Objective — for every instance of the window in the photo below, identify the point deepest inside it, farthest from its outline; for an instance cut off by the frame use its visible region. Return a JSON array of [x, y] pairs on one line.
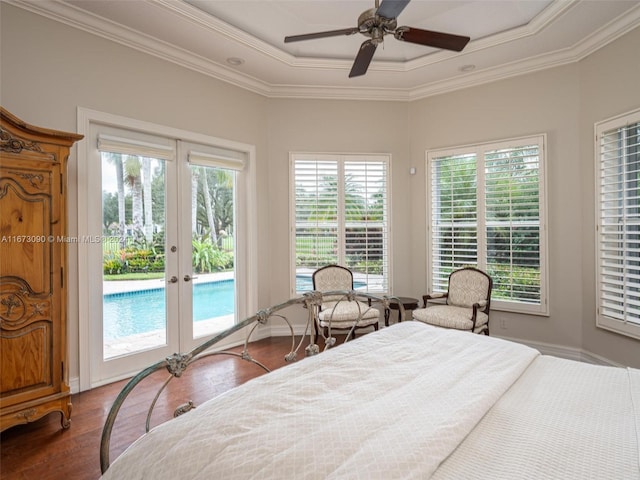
[[341, 216], [618, 224], [486, 208]]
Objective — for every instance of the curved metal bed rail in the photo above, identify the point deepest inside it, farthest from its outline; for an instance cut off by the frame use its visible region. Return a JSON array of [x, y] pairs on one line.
[[177, 363]]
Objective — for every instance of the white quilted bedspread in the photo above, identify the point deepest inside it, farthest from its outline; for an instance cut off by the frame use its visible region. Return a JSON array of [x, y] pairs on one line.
[[562, 420], [390, 405]]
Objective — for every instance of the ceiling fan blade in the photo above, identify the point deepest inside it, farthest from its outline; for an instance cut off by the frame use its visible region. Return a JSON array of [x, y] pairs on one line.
[[429, 38], [363, 59], [330, 33], [391, 8]]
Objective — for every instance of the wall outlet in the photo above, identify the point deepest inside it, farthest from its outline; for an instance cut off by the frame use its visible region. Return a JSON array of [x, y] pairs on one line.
[[503, 324]]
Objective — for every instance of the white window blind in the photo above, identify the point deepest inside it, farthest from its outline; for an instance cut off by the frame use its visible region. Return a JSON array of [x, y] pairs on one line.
[[316, 213], [454, 219], [217, 157], [340, 216], [136, 144], [618, 159], [487, 210], [512, 215], [365, 213]]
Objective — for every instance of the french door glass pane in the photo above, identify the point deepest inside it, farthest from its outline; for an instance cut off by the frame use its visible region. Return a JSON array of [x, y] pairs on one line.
[[133, 226], [213, 248]]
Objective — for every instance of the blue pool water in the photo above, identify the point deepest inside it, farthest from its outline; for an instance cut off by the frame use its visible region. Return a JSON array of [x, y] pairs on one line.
[[143, 311]]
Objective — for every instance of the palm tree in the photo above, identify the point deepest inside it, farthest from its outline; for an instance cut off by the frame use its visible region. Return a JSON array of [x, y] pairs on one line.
[[215, 206], [208, 206], [132, 176], [116, 159], [195, 175], [148, 207]]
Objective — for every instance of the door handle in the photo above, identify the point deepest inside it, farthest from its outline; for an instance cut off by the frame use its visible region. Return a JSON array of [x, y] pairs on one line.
[[173, 279], [188, 278]]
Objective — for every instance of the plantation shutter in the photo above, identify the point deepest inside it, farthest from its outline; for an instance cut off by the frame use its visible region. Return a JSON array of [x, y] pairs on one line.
[[486, 208], [366, 226], [512, 217], [454, 219], [316, 213], [619, 224], [341, 217]]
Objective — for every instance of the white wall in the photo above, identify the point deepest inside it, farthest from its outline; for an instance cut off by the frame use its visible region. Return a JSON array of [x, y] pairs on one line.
[[609, 86], [543, 102], [49, 69], [341, 127]]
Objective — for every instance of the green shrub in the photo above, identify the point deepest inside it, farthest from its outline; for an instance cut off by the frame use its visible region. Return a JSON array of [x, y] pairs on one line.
[[207, 257], [140, 257], [112, 266]]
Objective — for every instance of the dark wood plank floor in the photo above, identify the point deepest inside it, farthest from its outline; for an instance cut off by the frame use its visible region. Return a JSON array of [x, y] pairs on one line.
[[43, 451]]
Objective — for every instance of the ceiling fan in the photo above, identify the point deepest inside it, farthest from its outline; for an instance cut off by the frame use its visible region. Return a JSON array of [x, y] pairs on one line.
[[380, 21]]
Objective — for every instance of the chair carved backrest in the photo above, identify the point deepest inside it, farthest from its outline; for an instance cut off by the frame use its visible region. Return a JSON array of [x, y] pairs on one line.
[[332, 278], [468, 286]]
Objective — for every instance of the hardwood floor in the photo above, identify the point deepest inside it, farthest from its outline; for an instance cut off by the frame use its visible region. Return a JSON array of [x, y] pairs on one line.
[[42, 450]]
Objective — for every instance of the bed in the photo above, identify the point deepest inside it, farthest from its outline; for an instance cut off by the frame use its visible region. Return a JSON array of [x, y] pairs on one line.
[[409, 401]]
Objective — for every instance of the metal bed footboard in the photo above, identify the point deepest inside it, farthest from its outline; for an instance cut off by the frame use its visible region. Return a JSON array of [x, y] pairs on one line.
[[177, 363]]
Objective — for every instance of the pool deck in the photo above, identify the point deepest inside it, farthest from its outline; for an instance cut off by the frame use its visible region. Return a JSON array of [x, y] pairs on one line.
[[125, 286]]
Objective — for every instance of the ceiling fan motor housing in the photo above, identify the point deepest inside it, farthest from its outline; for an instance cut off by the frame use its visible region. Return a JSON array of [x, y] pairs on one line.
[[375, 26]]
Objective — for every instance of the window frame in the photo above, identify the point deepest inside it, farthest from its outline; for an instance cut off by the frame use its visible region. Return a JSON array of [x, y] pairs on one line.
[[341, 159], [480, 150], [623, 327]]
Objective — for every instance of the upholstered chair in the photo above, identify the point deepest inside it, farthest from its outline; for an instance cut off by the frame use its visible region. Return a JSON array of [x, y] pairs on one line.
[[339, 312], [467, 302]]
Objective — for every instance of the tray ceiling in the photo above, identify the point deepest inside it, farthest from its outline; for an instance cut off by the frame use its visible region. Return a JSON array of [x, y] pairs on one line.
[[241, 41]]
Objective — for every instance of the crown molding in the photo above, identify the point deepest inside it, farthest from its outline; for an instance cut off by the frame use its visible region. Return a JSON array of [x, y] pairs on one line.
[[77, 18], [198, 17], [605, 35]]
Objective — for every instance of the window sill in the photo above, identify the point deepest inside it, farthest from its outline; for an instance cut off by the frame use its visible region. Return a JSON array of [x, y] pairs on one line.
[[619, 327]]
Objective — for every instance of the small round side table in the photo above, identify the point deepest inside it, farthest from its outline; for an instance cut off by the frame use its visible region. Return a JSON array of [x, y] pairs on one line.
[[408, 303]]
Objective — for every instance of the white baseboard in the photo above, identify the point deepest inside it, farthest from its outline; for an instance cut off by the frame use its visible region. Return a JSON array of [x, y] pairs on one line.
[[570, 353]]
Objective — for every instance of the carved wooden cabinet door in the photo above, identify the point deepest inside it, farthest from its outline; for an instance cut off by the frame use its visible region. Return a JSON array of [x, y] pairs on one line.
[[33, 346]]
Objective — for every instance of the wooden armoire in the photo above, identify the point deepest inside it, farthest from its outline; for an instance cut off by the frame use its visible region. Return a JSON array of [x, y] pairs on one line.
[[33, 268]]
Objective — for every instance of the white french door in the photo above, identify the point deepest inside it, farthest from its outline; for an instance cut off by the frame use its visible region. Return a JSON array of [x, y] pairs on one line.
[[164, 275]]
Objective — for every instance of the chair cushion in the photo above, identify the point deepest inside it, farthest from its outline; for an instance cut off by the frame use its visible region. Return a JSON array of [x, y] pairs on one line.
[[449, 316], [343, 314]]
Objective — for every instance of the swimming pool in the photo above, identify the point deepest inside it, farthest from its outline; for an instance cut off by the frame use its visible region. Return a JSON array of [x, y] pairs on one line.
[[143, 311]]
